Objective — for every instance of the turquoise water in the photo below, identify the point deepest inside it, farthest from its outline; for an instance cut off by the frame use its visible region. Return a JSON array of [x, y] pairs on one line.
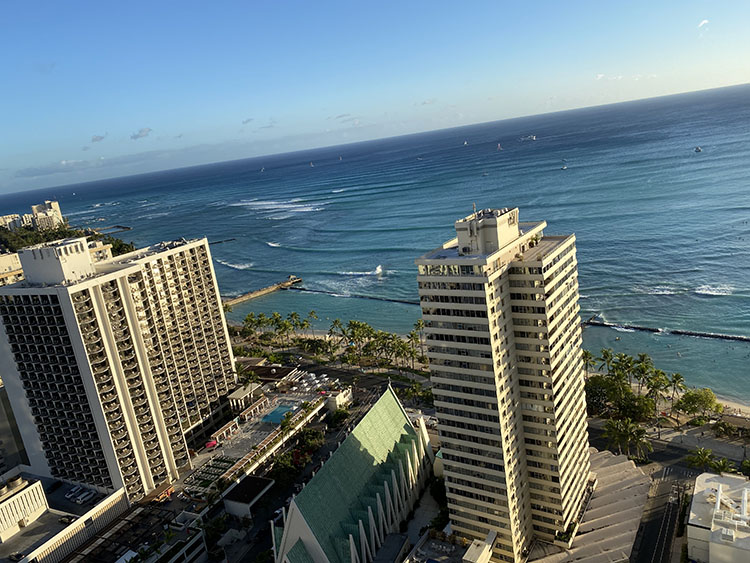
[[662, 231], [277, 414]]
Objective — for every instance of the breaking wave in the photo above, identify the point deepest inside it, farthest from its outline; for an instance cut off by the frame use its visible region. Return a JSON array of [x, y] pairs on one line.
[[714, 289], [243, 266]]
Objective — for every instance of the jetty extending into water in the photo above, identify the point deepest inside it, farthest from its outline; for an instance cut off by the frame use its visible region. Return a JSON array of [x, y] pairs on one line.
[[264, 291], [594, 321]]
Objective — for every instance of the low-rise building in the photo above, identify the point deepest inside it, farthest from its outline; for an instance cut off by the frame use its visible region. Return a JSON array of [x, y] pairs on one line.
[[244, 396], [21, 503], [719, 527], [240, 500], [361, 494], [10, 268]]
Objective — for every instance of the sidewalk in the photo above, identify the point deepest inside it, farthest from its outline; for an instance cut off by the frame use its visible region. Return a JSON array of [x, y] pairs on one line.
[[702, 437]]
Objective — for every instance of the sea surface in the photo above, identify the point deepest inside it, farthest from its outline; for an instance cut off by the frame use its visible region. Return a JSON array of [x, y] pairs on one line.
[[663, 232]]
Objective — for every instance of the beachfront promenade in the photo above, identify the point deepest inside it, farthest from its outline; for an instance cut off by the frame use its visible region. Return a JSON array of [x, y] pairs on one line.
[[690, 439]]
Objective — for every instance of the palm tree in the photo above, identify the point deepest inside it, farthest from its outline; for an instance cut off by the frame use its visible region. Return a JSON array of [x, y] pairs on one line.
[[658, 385], [723, 465], [606, 358], [419, 327], [700, 458], [414, 339], [337, 331], [678, 384], [625, 364], [642, 370], [588, 361], [639, 441], [614, 432], [312, 316]]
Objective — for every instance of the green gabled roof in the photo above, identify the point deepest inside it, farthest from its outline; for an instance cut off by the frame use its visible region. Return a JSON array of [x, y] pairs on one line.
[[298, 554], [345, 484], [278, 533]]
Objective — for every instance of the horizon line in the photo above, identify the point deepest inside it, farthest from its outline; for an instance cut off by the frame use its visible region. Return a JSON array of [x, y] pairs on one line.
[[377, 139]]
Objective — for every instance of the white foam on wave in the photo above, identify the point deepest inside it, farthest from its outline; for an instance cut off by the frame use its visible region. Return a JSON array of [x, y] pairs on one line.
[[156, 215], [271, 209], [623, 329], [721, 289], [243, 266], [338, 191], [376, 272], [659, 290], [273, 244]]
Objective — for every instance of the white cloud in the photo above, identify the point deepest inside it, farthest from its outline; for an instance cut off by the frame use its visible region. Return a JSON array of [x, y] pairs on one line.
[[703, 22], [143, 132], [599, 76]]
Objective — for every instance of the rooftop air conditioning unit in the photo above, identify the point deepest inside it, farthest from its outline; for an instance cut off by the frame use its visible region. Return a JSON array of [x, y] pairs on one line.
[[727, 534]]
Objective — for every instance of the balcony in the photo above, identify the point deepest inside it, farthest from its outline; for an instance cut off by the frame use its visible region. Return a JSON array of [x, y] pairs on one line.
[[113, 417], [140, 402], [129, 472], [105, 380]]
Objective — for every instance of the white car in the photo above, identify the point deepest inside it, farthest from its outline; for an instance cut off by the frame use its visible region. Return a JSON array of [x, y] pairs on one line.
[[71, 494]]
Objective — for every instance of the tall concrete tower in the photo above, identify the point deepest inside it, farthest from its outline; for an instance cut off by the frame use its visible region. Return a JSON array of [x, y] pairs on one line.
[[500, 307], [112, 367]]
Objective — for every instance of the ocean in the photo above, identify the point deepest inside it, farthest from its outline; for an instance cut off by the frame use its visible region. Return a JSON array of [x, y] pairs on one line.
[[662, 231]]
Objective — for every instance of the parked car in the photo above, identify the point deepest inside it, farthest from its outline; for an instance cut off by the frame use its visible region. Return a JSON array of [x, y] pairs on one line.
[[85, 497], [72, 493], [67, 519]]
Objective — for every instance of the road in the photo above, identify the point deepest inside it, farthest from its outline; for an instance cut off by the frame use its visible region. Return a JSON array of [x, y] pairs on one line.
[[670, 474]]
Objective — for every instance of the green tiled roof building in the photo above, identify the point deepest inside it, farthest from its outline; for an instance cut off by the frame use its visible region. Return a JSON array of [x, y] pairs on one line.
[[361, 494]]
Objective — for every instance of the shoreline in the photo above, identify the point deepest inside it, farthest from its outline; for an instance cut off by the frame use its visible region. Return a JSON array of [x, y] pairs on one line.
[[731, 405]]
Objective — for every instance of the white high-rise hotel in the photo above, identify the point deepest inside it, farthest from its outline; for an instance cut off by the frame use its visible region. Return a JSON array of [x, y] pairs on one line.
[[112, 366], [500, 306]]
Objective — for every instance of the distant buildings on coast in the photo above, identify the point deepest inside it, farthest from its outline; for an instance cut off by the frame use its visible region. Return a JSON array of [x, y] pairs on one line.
[[43, 216]]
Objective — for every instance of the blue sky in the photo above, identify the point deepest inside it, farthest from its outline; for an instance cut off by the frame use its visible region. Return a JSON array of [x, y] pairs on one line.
[[94, 90]]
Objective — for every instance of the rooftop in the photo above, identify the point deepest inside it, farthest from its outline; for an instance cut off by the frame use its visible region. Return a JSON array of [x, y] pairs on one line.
[[244, 391], [610, 523], [720, 504], [345, 487], [449, 250], [32, 536], [249, 489]]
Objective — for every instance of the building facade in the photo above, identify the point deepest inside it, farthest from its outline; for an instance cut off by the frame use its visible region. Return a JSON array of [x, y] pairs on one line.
[[500, 307], [43, 216], [112, 366], [362, 494]]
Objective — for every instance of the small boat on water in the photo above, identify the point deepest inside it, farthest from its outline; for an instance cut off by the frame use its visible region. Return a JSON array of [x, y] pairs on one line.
[[564, 167], [499, 147], [698, 149], [528, 138], [466, 143]]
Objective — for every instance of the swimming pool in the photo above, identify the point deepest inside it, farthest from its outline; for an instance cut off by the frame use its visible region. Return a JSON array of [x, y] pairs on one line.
[[277, 414]]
